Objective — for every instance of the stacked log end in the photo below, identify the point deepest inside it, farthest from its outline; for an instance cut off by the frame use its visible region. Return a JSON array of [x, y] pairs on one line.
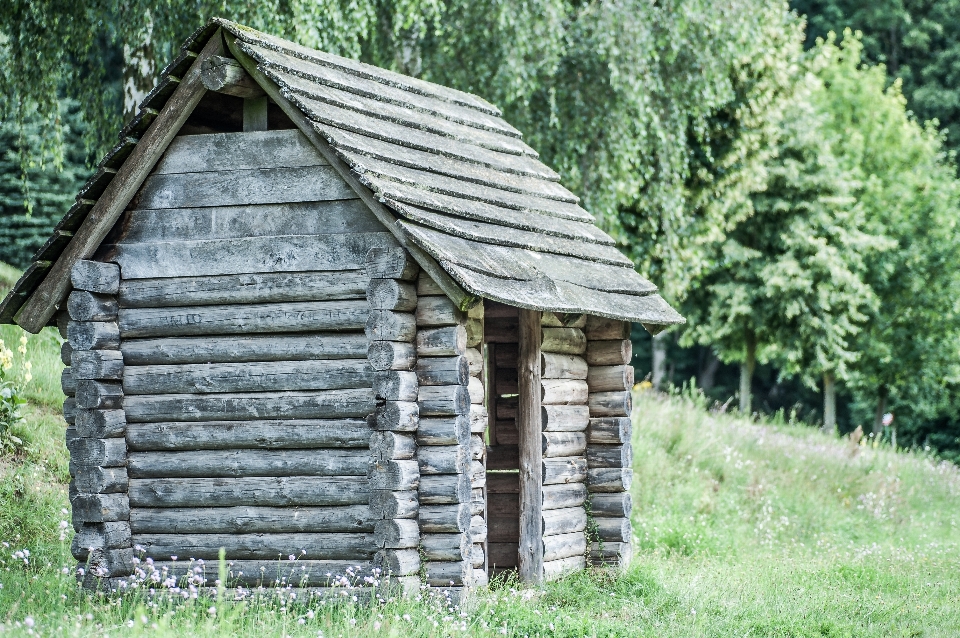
[[609, 453], [394, 471], [98, 449], [452, 474]]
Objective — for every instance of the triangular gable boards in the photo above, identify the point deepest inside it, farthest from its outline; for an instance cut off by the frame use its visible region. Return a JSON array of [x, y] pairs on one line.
[[317, 308]]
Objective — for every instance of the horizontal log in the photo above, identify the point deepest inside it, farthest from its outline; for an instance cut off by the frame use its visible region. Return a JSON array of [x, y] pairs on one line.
[[249, 491], [442, 519], [563, 392], [615, 505], [68, 382], [478, 419], [507, 433], [564, 341], [612, 554], [478, 475], [387, 446], [277, 434], [449, 430], [90, 306], [564, 521], [445, 547], [392, 355], [390, 294], [444, 400], [609, 479], [476, 391], [505, 356], [602, 329], [239, 348], [506, 381], [395, 385], [562, 366], [477, 448], [93, 335], [101, 480], [503, 457], [387, 325], [599, 456], [250, 149], [100, 424], [66, 353], [99, 508], [564, 496], [503, 554], [277, 287], [397, 562], [392, 263], [565, 418], [99, 452], [226, 75], [386, 504], [610, 404], [444, 488], [443, 459], [115, 535], [278, 546], [503, 529], [615, 530], [97, 364], [610, 378], [447, 574], [399, 533], [427, 286], [554, 569], [609, 353], [319, 404], [476, 560], [448, 341], [503, 505], [397, 416], [433, 312], [609, 430], [501, 330], [94, 276], [564, 546], [70, 410], [301, 316], [570, 469], [474, 361], [240, 463], [474, 329], [251, 520], [271, 573], [393, 475], [556, 444], [443, 370], [563, 320], [105, 563]]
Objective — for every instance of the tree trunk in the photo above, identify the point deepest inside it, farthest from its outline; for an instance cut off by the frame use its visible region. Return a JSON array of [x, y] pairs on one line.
[[881, 408], [708, 373], [139, 69], [659, 360], [829, 403], [746, 372]]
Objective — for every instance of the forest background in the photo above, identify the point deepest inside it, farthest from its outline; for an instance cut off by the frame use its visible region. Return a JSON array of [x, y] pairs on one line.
[[785, 173]]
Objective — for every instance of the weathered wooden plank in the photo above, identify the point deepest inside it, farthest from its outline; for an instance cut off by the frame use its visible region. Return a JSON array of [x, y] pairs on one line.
[[474, 361], [395, 385], [444, 400], [388, 446], [610, 378], [609, 430], [321, 404], [615, 505], [564, 341], [477, 448], [503, 457], [98, 394], [565, 418], [530, 452], [433, 312], [243, 288], [93, 335], [563, 392], [393, 475], [99, 452], [442, 519], [444, 488], [387, 325], [603, 329], [101, 480], [286, 253], [70, 410], [240, 348], [392, 263], [100, 424], [218, 435], [391, 294], [251, 520], [615, 530], [556, 444], [92, 536], [478, 419], [270, 574], [99, 508], [562, 366], [445, 547], [97, 364], [391, 355], [89, 306], [609, 353], [563, 320], [249, 491], [617, 554], [443, 459], [503, 482], [564, 546], [399, 533], [427, 287], [68, 382], [604, 404], [303, 316], [476, 391], [570, 469], [610, 455], [448, 574], [609, 479], [397, 416], [386, 504], [443, 370], [399, 562], [559, 568], [94, 276], [66, 352], [564, 521], [452, 430], [240, 463], [225, 75], [320, 546], [564, 496]]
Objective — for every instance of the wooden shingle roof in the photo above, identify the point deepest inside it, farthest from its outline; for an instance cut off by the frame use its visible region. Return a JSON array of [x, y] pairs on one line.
[[457, 181]]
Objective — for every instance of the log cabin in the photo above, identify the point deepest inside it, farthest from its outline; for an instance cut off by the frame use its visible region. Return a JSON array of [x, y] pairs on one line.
[[320, 311]]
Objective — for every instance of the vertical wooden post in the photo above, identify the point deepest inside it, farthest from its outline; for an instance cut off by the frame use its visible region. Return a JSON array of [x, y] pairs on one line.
[[531, 450], [255, 114]]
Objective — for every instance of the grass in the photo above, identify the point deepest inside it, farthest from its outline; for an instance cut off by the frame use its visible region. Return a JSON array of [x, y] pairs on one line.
[[741, 528]]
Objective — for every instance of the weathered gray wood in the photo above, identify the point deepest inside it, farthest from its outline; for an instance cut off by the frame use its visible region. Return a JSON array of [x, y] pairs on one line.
[[248, 491], [478, 475], [615, 505], [99, 452], [239, 463], [97, 364], [90, 306], [286, 253], [478, 419], [564, 341], [237, 151], [386, 504], [393, 475], [319, 404], [530, 452], [105, 563], [610, 455], [395, 385], [320, 546], [564, 496], [114, 535], [66, 352], [240, 348], [386, 446], [563, 392], [603, 329], [609, 479], [258, 577], [564, 546], [615, 530], [387, 325], [477, 559], [400, 533], [604, 404], [264, 376], [442, 519], [68, 382], [100, 508], [243, 288], [428, 287], [439, 489], [569, 469], [433, 312], [451, 430], [504, 505], [398, 562], [391, 355], [397, 416], [41, 305], [93, 335], [610, 378], [504, 482], [101, 480], [609, 353], [477, 448], [70, 410], [443, 459], [100, 424], [225, 75], [445, 547], [565, 418], [558, 568], [444, 400], [390, 294], [556, 444], [507, 433], [474, 329], [392, 263], [618, 554], [503, 457], [442, 342], [448, 574], [95, 276], [507, 408], [255, 112], [474, 361], [563, 320], [476, 391], [609, 430], [443, 370], [478, 529], [251, 520], [98, 394], [562, 366]]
